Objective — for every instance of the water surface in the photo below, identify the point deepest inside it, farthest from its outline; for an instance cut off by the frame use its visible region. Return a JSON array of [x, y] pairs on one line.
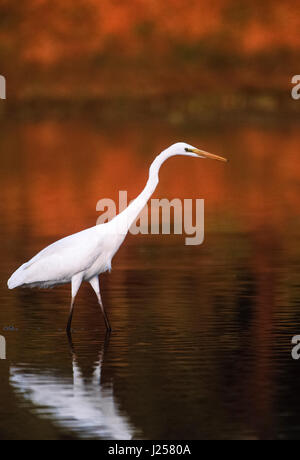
[[201, 347]]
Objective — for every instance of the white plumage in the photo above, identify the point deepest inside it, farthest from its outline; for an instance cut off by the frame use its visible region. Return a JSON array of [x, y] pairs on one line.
[[84, 255], [59, 262]]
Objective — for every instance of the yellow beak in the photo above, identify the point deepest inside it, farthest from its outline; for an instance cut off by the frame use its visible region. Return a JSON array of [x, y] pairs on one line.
[[204, 154]]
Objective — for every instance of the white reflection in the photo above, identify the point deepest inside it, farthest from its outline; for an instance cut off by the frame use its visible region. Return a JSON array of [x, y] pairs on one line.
[[85, 407]]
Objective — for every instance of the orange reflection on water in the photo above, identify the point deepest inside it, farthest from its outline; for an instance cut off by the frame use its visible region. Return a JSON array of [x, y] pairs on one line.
[[214, 309], [56, 172]]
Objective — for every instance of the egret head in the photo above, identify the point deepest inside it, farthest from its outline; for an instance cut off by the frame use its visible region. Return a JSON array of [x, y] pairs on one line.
[[181, 148]]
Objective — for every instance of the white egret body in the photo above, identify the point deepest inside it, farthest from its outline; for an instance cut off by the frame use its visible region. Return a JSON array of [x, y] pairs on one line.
[[84, 255]]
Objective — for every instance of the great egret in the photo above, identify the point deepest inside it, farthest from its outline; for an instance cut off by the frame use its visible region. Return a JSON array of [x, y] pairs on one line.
[[84, 255]]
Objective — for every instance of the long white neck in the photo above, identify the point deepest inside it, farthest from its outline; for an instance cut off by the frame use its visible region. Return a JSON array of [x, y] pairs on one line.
[[127, 217]]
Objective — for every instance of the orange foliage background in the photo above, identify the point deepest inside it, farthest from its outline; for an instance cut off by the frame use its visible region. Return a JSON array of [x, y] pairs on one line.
[[78, 48]]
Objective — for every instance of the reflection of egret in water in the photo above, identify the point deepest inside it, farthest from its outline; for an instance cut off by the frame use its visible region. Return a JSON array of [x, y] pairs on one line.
[[85, 407]]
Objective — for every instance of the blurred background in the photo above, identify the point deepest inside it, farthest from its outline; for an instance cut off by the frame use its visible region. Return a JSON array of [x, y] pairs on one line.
[[201, 347], [187, 56]]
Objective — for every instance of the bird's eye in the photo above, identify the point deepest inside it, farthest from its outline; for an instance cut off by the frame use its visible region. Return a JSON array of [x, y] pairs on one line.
[[187, 149]]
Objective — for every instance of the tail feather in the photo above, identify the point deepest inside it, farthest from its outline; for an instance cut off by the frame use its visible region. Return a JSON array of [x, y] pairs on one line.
[[17, 278]]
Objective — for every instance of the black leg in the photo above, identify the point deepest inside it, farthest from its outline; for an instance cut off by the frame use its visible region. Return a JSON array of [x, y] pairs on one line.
[[94, 282], [70, 316], [108, 328]]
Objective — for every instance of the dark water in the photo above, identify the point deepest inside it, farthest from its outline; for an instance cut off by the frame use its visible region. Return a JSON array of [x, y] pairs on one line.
[[201, 346]]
